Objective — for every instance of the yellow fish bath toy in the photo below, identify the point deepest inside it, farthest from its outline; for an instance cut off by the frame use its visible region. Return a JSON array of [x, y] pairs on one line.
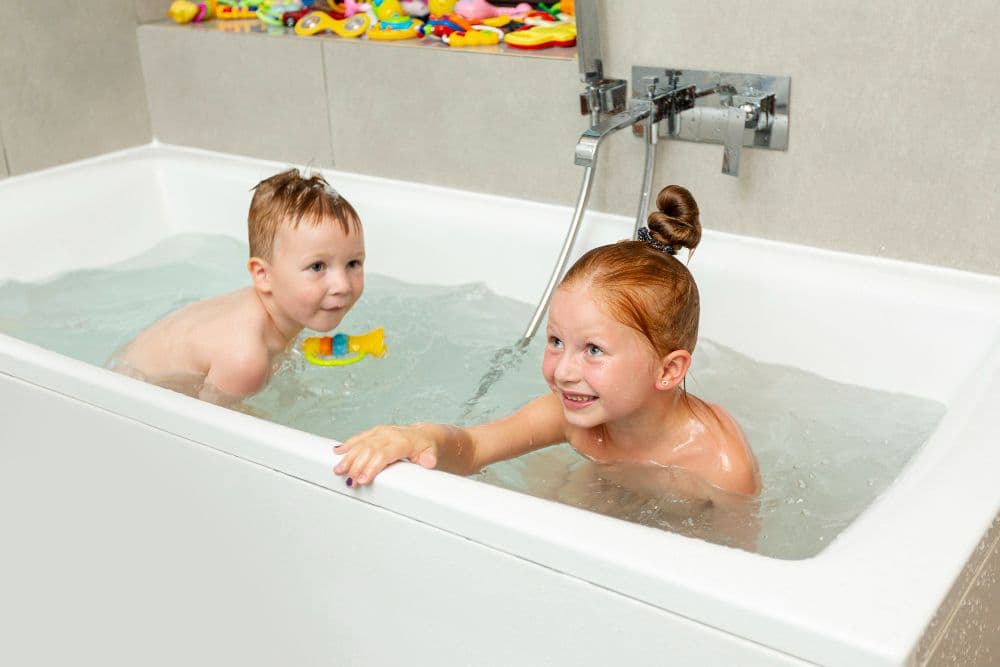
[[341, 349]]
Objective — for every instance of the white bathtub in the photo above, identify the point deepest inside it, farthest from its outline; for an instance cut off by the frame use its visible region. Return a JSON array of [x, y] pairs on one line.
[[144, 527]]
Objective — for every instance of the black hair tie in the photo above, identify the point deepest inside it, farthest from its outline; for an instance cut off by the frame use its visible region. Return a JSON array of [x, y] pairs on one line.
[[648, 239]]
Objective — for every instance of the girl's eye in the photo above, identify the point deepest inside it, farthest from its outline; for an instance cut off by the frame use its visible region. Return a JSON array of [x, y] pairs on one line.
[[317, 266], [354, 264], [593, 350], [555, 342]]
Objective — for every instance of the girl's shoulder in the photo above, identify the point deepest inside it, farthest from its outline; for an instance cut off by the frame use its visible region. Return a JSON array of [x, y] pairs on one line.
[[737, 470]]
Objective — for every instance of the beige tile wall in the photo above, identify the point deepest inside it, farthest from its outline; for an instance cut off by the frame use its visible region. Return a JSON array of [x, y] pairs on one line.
[[893, 142], [246, 93], [71, 82], [476, 121], [147, 11]]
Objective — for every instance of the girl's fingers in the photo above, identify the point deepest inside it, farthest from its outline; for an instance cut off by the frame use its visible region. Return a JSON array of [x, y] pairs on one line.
[[426, 458], [375, 465]]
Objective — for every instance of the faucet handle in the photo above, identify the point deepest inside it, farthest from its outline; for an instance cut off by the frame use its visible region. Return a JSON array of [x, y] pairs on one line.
[[736, 122], [649, 83], [604, 96]]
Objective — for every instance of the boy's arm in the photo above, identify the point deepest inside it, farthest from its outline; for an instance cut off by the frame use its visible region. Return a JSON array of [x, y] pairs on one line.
[[235, 375], [463, 451]]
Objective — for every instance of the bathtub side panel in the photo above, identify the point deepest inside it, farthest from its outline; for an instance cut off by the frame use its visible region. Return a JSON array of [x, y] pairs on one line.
[[135, 546], [966, 629]]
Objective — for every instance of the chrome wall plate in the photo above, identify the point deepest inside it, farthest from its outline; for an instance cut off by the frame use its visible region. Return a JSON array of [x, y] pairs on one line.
[[763, 99]]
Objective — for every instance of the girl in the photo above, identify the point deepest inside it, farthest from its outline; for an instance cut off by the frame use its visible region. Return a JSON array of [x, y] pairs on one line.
[[621, 329]]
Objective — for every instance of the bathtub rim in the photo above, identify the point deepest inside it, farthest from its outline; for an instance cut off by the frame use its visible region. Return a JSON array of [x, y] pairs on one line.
[[782, 619]]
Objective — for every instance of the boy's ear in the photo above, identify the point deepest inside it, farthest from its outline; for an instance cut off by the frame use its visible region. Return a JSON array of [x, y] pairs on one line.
[[673, 368], [260, 273]]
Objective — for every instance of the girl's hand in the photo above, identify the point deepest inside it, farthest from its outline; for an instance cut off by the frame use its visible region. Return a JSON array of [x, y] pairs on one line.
[[367, 454]]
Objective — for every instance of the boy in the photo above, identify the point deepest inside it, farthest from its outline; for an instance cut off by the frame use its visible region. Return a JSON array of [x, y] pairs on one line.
[[307, 266]]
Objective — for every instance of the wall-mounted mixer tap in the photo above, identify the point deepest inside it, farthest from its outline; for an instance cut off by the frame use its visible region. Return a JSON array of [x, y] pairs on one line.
[[735, 110], [656, 104]]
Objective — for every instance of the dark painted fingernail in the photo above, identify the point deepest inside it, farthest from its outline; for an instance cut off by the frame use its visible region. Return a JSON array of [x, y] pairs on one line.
[[350, 482]]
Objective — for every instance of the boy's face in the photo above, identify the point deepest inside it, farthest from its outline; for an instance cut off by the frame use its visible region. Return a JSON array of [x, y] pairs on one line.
[[317, 273]]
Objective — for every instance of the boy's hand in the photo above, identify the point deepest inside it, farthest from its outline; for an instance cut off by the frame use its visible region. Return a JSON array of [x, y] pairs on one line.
[[367, 454]]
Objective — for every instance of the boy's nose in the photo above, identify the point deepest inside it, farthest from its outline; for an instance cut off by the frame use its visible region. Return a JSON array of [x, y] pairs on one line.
[[338, 283]]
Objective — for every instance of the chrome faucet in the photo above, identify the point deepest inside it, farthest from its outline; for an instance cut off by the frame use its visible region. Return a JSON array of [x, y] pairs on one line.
[[659, 103]]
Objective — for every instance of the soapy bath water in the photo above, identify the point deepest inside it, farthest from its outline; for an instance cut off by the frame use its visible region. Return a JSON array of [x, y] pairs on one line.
[[826, 449]]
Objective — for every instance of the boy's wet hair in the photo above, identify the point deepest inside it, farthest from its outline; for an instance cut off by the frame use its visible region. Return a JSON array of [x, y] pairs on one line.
[[641, 284], [289, 198]]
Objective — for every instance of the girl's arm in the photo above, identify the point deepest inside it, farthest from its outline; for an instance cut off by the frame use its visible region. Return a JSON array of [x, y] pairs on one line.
[[464, 451]]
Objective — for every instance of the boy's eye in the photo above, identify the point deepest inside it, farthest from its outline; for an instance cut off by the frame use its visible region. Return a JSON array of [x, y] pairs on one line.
[[593, 350], [354, 264], [317, 266], [555, 342]]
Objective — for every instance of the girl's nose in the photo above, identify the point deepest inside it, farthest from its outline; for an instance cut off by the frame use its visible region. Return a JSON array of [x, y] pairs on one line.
[[567, 369]]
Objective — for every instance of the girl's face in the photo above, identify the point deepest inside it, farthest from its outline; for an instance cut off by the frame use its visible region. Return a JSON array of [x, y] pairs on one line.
[[317, 273], [602, 369]]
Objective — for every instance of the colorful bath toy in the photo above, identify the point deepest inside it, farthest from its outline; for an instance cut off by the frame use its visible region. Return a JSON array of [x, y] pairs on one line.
[[341, 349], [481, 9], [183, 11], [271, 13], [228, 10], [386, 10], [542, 36], [480, 35], [441, 7], [417, 8], [317, 22], [291, 18], [397, 28]]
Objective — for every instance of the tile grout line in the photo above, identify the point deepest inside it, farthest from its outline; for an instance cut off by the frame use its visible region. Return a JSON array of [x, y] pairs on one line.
[[326, 103], [3, 152]]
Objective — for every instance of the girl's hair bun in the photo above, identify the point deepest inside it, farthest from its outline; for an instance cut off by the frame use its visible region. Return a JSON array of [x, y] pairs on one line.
[[675, 222]]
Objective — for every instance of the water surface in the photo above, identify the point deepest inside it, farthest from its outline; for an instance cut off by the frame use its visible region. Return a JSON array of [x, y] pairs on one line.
[[826, 449]]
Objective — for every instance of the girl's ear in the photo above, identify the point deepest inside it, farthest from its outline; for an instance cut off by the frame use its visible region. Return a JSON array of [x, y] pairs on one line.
[[260, 273], [673, 369]]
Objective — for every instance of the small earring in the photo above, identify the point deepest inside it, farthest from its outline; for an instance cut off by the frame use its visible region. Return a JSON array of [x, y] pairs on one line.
[[664, 382]]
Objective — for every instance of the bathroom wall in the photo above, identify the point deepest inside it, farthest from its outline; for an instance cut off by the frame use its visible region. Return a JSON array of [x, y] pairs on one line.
[[70, 82], [465, 119], [893, 141], [888, 155]]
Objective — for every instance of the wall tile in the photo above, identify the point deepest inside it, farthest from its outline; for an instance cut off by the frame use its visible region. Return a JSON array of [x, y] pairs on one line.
[[892, 145], [245, 93], [148, 11], [477, 121], [71, 81]]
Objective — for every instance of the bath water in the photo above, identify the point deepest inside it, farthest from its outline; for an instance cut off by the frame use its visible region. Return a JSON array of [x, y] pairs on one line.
[[826, 449]]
